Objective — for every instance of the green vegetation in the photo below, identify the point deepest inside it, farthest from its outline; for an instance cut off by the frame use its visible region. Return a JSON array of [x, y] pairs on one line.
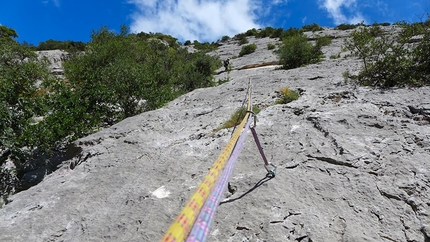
[[69, 46], [287, 96], [242, 39], [335, 56], [312, 27], [276, 32], [346, 26], [296, 51], [225, 38], [237, 117], [20, 102], [7, 33], [382, 24], [353, 26], [119, 75], [271, 46], [170, 40], [390, 60], [205, 47], [252, 32], [323, 41], [269, 32], [346, 75], [247, 49]]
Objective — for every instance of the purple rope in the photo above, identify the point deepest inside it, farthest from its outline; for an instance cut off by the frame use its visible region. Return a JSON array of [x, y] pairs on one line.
[[200, 229]]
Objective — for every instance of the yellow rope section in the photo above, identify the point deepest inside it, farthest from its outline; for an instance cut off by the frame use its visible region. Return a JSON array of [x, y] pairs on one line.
[[182, 225]]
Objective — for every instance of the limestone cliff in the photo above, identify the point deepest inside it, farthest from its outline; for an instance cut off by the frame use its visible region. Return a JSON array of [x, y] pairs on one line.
[[353, 163]]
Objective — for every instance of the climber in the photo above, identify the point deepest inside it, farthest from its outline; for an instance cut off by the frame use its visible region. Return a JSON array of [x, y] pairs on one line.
[[226, 63]]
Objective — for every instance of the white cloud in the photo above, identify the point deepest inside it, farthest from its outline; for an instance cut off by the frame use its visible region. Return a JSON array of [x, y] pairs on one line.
[[203, 20], [337, 8]]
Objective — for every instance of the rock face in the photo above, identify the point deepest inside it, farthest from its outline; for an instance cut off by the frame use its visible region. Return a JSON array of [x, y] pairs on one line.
[[56, 58], [353, 164]]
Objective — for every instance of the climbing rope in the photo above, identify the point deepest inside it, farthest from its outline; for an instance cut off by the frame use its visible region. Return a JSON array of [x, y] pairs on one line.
[[194, 220], [201, 228]]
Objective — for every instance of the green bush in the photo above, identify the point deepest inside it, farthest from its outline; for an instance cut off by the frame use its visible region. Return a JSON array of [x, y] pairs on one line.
[[276, 33], [205, 47], [247, 49], [126, 70], [381, 24], [225, 38], [271, 46], [296, 51], [170, 40], [267, 32], [242, 39], [251, 32], [346, 26], [323, 41], [69, 46], [118, 76], [21, 101], [312, 27], [390, 60], [290, 32]]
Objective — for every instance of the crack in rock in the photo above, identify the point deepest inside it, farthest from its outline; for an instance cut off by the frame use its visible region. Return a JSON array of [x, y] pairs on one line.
[[332, 161], [206, 112], [388, 195], [285, 217], [426, 233], [317, 125], [242, 228]]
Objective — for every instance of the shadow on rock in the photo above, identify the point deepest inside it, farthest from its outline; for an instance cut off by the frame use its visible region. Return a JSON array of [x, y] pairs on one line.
[[36, 169], [265, 179]]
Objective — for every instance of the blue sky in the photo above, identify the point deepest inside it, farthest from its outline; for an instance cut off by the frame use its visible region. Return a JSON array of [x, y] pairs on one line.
[[204, 20]]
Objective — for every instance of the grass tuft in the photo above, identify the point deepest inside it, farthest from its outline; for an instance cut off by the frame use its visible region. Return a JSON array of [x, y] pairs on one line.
[[287, 96], [237, 118]]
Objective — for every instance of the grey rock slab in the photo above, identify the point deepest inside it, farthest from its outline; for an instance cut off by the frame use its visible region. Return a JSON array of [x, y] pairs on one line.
[[56, 58], [352, 165]]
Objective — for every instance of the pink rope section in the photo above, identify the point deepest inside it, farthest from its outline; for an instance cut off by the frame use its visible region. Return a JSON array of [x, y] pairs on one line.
[[201, 227]]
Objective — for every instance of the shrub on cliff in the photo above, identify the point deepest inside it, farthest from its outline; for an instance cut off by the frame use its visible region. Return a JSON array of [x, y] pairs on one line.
[[242, 39], [392, 60], [296, 51], [205, 47], [346, 26], [247, 49], [125, 70], [21, 100], [287, 96], [69, 46], [119, 75], [312, 27]]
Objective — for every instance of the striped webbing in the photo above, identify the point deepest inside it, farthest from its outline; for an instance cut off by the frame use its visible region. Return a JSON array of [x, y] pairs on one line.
[[183, 223]]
